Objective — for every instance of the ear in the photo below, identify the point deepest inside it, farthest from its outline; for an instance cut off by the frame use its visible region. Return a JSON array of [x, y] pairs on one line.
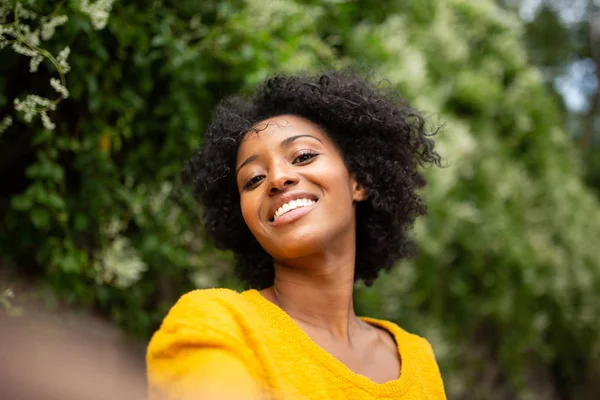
[[359, 193]]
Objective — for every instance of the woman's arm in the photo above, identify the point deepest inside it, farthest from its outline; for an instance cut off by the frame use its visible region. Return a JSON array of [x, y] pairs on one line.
[[201, 374], [198, 354]]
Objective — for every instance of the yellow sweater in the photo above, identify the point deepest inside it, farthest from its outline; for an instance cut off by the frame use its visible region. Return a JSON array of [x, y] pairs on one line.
[[243, 346]]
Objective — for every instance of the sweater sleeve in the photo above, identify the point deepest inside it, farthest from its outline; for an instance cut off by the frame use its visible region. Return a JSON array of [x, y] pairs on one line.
[[433, 377], [199, 350]]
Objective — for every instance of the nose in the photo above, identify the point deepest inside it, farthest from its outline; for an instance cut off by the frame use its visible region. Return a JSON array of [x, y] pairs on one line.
[[281, 177]]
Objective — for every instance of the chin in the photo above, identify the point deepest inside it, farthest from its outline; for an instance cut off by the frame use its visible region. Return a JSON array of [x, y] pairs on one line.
[[297, 244]]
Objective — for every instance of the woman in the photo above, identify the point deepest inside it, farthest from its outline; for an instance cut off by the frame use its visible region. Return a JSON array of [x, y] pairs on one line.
[[312, 184]]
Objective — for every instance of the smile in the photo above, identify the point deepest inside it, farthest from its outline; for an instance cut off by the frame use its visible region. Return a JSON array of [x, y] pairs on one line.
[[291, 211], [292, 205]]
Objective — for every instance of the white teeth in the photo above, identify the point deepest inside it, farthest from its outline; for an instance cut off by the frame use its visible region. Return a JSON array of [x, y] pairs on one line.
[[292, 205]]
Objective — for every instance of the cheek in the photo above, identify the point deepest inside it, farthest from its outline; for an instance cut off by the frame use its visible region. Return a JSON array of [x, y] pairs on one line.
[[336, 181], [247, 211], [249, 204]]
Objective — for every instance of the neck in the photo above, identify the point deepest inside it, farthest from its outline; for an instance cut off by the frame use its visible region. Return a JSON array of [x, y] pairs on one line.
[[318, 293]]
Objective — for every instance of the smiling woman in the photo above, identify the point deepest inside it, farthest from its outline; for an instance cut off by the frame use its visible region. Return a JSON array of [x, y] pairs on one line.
[[293, 159], [312, 184]]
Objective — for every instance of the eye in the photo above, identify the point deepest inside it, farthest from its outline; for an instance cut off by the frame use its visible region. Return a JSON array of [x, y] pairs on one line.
[[304, 157], [255, 180]]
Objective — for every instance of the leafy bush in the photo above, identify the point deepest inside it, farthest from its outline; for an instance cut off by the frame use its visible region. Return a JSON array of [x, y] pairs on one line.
[[507, 281]]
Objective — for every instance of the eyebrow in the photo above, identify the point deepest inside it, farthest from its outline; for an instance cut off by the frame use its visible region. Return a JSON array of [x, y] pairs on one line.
[[285, 142]]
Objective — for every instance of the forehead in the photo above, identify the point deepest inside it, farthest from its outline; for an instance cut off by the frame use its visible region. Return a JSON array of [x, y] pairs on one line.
[[274, 130]]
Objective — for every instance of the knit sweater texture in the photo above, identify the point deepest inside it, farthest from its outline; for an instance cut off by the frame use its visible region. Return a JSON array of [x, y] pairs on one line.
[[245, 347]]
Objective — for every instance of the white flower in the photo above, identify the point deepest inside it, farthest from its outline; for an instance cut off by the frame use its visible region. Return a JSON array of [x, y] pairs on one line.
[[31, 106], [49, 26], [58, 86], [98, 11], [26, 51], [24, 13], [31, 37], [62, 59], [203, 279], [34, 63], [5, 123], [9, 30], [47, 122], [114, 227], [120, 264]]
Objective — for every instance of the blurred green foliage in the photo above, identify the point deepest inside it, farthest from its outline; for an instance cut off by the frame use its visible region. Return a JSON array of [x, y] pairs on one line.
[[506, 286], [561, 39]]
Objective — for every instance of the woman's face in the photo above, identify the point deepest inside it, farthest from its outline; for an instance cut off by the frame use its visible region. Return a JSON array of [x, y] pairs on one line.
[[296, 194]]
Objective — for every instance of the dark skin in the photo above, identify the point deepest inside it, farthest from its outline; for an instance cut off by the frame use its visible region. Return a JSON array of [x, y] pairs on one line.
[[314, 249]]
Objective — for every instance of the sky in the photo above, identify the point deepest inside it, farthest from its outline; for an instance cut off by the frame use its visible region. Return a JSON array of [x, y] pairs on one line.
[[574, 11], [579, 81]]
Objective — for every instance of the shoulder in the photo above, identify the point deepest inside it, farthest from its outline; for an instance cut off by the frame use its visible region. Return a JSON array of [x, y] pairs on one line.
[[430, 371], [206, 299], [417, 346], [205, 339], [403, 337], [221, 310], [418, 352]]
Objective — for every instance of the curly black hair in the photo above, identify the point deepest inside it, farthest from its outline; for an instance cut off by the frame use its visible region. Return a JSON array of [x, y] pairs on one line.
[[383, 142]]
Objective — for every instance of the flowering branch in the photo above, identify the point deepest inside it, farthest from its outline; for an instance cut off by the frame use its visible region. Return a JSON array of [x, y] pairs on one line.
[[23, 40]]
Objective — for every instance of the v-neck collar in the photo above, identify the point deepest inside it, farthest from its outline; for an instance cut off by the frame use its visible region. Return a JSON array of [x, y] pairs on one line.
[[396, 387]]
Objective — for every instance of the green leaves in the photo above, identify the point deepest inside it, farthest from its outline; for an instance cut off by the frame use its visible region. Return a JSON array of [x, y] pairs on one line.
[[509, 269], [46, 170]]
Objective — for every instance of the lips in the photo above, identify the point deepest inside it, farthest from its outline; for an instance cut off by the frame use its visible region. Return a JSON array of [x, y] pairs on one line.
[[286, 198], [293, 215]]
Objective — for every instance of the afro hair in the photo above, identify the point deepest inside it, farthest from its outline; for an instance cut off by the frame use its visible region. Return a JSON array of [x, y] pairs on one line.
[[384, 143]]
